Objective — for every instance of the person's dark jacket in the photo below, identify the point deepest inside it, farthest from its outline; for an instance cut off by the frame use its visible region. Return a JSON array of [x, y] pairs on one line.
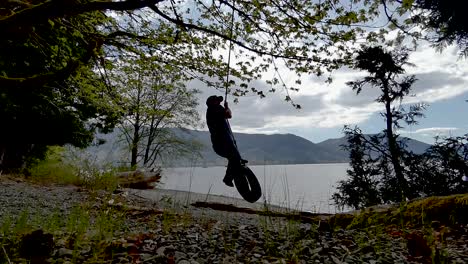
[[221, 135]]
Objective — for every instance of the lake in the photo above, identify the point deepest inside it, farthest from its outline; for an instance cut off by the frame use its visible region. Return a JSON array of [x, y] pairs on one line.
[[306, 187]]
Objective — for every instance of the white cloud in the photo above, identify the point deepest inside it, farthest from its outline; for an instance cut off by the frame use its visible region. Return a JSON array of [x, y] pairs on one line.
[[432, 129], [431, 132], [427, 59]]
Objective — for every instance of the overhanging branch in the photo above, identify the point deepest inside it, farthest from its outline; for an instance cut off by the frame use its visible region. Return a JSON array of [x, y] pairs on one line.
[[60, 8], [38, 79], [41, 79]]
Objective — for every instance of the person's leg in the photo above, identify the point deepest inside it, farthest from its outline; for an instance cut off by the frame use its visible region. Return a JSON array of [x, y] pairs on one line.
[[234, 163], [224, 151], [235, 155], [221, 151], [229, 174]]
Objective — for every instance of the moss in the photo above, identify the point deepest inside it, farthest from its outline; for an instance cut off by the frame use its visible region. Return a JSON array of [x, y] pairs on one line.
[[447, 210], [370, 217], [341, 221]]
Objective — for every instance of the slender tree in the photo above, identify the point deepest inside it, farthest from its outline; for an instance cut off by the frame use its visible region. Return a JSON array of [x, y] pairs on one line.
[[154, 101], [384, 70]]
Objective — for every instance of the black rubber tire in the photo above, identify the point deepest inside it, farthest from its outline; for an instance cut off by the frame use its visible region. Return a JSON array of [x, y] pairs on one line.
[[247, 184]]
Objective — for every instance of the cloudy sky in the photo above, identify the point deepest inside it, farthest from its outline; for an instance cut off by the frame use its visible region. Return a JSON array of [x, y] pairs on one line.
[[326, 108]]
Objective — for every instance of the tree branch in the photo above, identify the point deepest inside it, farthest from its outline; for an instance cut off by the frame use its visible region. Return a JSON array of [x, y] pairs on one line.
[[38, 80], [60, 8]]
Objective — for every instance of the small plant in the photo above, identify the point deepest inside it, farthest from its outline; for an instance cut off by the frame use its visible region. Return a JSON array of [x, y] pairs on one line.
[[83, 229], [6, 224], [71, 166], [53, 168], [282, 238], [168, 221], [91, 173], [22, 226], [78, 222]]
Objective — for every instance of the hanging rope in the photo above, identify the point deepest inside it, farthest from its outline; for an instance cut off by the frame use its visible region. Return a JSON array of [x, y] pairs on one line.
[[246, 182], [229, 53]]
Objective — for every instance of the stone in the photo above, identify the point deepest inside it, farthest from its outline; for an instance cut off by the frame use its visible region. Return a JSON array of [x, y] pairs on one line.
[[65, 252], [163, 251], [228, 260], [146, 256], [179, 256]]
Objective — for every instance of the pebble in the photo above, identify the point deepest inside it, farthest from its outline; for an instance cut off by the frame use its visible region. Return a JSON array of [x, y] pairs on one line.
[[65, 252], [179, 256]]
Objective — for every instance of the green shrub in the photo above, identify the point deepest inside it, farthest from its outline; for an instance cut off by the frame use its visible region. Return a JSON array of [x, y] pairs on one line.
[[67, 166], [53, 168]]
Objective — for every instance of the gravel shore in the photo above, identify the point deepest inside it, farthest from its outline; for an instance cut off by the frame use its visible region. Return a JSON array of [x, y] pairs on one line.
[[163, 228]]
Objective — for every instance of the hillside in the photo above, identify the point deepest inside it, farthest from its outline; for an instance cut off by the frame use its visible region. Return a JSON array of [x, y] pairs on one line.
[[283, 149], [413, 145], [270, 149], [257, 148]]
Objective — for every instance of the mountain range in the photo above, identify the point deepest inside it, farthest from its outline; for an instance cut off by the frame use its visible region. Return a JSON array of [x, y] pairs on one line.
[[258, 149], [282, 149]]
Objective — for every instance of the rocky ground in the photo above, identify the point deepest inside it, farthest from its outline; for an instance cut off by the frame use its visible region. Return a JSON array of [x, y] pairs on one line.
[[141, 230]]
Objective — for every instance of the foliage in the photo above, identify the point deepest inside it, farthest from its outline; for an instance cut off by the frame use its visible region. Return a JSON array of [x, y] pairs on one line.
[[372, 178], [440, 170], [90, 172], [295, 31], [52, 168], [361, 189], [68, 165], [47, 87], [442, 22]]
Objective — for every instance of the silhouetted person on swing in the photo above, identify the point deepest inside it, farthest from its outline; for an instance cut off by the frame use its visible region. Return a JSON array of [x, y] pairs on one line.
[[222, 138]]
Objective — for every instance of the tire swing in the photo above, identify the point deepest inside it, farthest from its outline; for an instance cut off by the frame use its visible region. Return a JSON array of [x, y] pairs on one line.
[[247, 184], [244, 179]]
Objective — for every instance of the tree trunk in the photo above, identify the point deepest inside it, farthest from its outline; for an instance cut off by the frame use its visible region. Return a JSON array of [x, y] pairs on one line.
[[394, 151], [135, 142], [149, 142]]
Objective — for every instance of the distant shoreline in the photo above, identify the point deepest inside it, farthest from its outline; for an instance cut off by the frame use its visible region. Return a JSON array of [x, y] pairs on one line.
[[252, 165]]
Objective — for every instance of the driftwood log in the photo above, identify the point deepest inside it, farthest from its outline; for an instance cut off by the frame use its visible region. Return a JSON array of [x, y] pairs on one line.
[[138, 179]]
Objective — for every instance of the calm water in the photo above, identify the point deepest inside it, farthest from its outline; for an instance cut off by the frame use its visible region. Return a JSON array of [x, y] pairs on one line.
[[307, 187]]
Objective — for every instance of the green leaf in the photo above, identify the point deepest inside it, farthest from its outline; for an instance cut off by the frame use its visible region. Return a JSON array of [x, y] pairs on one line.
[[407, 4]]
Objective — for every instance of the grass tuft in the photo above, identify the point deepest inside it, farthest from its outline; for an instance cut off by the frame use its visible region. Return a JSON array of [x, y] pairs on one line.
[[78, 170]]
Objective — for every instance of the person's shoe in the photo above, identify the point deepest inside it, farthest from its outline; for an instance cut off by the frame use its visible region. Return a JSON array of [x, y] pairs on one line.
[[228, 181]]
